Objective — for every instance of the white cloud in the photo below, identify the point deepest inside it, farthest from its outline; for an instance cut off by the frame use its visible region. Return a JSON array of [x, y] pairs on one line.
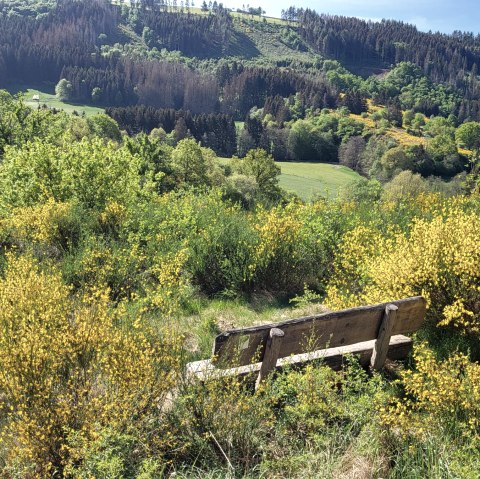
[[422, 23], [373, 19]]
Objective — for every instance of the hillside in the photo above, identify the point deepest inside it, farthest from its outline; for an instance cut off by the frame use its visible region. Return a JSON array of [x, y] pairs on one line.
[[122, 38], [171, 173], [200, 72], [122, 257]]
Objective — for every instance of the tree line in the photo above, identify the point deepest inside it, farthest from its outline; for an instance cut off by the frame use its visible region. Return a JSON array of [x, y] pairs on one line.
[[215, 130], [450, 59], [193, 35], [66, 43]]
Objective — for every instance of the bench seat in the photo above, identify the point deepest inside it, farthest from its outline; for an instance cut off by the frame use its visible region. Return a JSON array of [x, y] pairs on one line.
[[399, 348]]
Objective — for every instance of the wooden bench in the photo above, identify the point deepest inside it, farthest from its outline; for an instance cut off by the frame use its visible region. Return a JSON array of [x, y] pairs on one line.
[[372, 333]]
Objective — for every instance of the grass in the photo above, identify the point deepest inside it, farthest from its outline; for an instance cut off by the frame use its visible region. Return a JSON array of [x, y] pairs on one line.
[[310, 179], [219, 315], [272, 20], [273, 43], [47, 97], [244, 16], [307, 179], [199, 11]]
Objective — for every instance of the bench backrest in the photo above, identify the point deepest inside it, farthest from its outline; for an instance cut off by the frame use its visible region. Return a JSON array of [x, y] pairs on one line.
[[240, 347]]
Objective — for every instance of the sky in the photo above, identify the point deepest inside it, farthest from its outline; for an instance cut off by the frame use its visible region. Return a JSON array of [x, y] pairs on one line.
[[436, 15]]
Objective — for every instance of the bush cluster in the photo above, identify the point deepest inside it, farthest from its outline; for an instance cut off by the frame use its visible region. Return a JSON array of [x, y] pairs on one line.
[[109, 252]]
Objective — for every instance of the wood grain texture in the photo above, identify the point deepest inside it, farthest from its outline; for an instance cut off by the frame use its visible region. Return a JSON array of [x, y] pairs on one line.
[[240, 347], [380, 349], [272, 350], [400, 347]]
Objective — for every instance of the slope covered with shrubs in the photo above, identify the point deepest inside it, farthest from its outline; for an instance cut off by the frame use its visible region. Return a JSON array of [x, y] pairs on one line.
[[112, 249]]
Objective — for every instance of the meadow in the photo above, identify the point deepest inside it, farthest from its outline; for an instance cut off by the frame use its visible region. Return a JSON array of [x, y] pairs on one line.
[[310, 179], [47, 97], [243, 16], [307, 179]]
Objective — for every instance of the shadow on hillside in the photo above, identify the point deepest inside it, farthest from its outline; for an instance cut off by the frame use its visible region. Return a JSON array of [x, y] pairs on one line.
[[243, 46], [45, 87]]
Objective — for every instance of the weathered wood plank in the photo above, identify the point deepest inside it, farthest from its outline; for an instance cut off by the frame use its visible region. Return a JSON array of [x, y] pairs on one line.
[[270, 357], [240, 347], [399, 348], [380, 349]]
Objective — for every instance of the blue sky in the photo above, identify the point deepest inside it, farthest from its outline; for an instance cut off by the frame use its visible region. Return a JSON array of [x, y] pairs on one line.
[[443, 15]]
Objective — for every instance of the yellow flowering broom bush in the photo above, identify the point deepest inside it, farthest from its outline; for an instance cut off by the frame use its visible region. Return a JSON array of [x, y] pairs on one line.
[[296, 245], [436, 254], [439, 257], [70, 366], [437, 394], [49, 229]]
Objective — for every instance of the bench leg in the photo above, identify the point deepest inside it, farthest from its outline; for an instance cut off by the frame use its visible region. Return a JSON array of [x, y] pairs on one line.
[[380, 350], [272, 350]]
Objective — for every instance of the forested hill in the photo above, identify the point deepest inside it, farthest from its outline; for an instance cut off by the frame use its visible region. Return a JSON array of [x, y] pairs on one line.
[[360, 43], [210, 60]]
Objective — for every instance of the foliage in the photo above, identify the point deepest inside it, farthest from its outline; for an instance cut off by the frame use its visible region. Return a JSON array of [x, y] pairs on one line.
[[393, 161], [223, 421], [262, 168], [153, 254], [295, 247], [189, 163], [404, 186], [216, 131], [52, 227], [309, 143], [89, 171], [64, 90], [437, 394], [437, 258], [443, 152], [468, 135], [18, 123], [103, 126], [67, 368], [312, 398]]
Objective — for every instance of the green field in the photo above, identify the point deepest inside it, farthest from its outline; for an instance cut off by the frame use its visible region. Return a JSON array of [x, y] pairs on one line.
[[47, 97], [243, 16], [309, 179]]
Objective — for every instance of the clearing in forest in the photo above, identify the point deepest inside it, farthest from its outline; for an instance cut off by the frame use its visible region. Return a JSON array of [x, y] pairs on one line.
[[45, 95], [308, 179]]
